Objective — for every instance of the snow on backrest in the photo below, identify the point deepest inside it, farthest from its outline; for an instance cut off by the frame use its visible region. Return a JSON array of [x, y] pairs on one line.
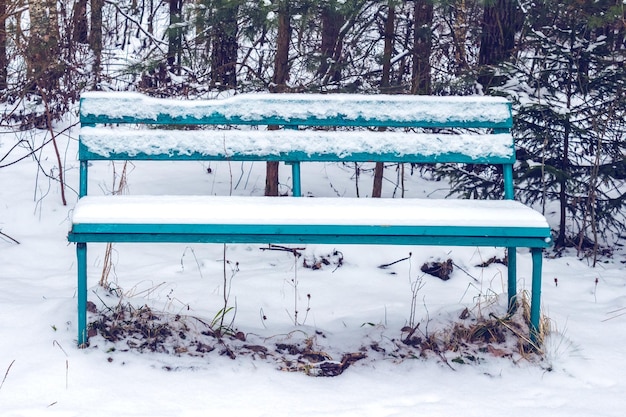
[[301, 109], [294, 145]]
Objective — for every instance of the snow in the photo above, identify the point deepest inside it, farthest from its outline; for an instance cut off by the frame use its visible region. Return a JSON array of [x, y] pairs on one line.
[[301, 211], [43, 373], [257, 106], [104, 141]]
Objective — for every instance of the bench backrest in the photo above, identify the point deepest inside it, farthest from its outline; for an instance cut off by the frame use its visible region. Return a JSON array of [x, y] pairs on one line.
[[315, 127]]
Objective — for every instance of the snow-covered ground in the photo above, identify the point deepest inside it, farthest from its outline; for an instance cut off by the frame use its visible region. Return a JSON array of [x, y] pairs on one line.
[[351, 307]]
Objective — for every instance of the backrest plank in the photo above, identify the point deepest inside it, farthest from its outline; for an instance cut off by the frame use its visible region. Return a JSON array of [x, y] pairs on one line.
[[317, 127], [301, 110], [294, 145]]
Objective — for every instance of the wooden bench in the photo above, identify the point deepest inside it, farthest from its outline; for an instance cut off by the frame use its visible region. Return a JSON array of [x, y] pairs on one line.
[[313, 128]]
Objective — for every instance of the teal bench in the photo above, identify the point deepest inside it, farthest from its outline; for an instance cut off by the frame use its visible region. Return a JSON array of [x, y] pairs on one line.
[[314, 128]]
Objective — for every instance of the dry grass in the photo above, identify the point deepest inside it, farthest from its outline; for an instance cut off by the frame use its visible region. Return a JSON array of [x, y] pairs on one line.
[[120, 186], [464, 341]]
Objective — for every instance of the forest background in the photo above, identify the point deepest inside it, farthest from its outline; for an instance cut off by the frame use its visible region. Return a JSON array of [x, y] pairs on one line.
[[562, 65]]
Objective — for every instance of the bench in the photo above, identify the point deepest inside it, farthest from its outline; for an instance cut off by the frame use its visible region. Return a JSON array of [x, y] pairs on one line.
[[336, 128]]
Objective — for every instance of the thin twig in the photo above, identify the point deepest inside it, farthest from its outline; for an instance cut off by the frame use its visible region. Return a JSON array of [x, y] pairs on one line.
[[294, 251], [6, 373], [394, 262], [614, 317], [54, 142], [622, 312], [466, 273], [157, 42], [8, 237], [55, 343]]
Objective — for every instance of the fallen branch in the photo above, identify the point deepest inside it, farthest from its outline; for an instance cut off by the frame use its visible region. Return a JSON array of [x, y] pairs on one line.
[[384, 266], [9, 237], [466, 273], [6, 373], [294, 251]]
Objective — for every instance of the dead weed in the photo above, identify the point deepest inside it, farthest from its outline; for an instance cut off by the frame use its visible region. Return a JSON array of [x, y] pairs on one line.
[[127, 328]]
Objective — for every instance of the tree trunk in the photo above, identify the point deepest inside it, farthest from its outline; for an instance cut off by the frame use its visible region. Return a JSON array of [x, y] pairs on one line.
[[95, 39], [385, 81], [281, 63], [224, 46], [80, 29], [43, 47], [422, 45], [384, 88], [459, 33], [281, 76], [561, 238], [174, 37], [331, 44], [501, 20], [4, 62]]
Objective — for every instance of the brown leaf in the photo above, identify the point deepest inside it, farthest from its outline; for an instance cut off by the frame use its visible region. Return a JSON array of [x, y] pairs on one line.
[[498, 353]]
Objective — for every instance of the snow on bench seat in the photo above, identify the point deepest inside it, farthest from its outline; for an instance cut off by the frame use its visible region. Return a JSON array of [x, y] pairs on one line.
[[309, 145], [294, 220]]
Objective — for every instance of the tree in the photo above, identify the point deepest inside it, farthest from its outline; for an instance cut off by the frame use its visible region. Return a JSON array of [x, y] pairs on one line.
[[279, 82], [43, 70], [224, 44], [422, 44], [568, 89], [80, 28], [331, 43], [95, 38], [501, 21], [385, 85], [174, 36], [4, 61]]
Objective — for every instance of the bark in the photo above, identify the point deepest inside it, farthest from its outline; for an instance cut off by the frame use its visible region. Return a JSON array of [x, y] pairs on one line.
[[385, 81], [422, 46], [331, 44], [80, 29], [281, 76], [42, 64], [224, 47], [501, 20], [459, 32], [4, 62], [281, 63], [174, 36], [385, 85], [95, 38]]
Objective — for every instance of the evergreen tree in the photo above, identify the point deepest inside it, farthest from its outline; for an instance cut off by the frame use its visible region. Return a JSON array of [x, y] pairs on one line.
[[568, 89]]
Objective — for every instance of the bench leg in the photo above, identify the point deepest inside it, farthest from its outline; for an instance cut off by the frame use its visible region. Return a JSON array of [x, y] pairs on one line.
[[81, 256], [295, 174], [535, 302], [512, 279]]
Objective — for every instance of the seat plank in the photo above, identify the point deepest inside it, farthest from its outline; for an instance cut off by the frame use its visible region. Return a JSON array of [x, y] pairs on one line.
[[321, 220]]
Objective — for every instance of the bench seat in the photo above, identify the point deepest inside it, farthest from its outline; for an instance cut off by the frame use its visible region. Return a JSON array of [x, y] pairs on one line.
[[238, 219]]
